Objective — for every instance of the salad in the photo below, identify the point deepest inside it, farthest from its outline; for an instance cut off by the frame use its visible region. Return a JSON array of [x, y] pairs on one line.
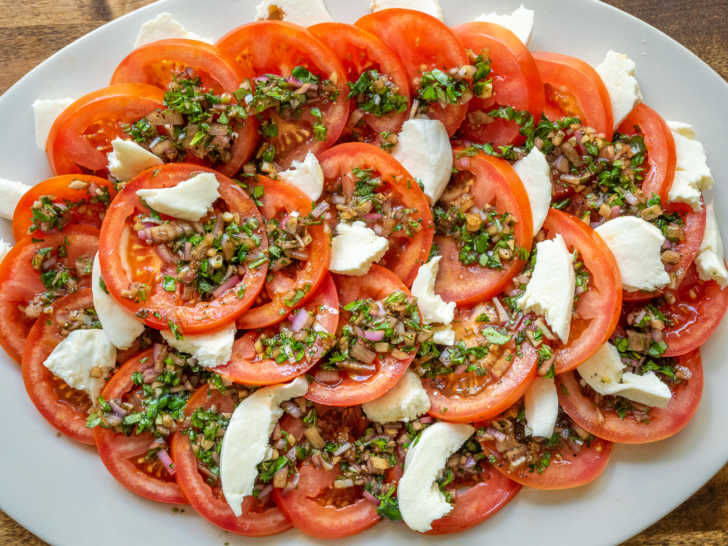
[[317, 275]]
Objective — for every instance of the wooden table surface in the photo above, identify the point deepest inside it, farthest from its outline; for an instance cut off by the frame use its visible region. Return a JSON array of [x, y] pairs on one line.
[[32, 30]]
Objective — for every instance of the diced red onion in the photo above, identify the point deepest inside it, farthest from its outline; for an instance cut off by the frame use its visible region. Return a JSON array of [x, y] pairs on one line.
[[117, 409], [298, 320], [373, 216], [425, 419], [148, 376], [497, 434], [503, 315], [267, 490], [322, 207], [227, 285], [292, 484], [615, 212], [374, 335], [461, 368], [371, 498], [166, 460], [292, 409], [156, 350], [327, 376], [188, 251], [145, 235], [165, 254], [469, 462]]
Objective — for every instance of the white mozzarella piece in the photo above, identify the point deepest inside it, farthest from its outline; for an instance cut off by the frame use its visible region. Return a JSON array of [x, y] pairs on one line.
[[355, 248], [164, 27], [535, 173], [10, 193], [692, 174], [4, 248], [444, 335], [210, 349], [45, 112], [306, 175], [83, 360], [405, 402], [541, 404], [424, 149], [636, 245], [550, 292], [433, 308], [618, 74], [245, 444], [189, 200], [119, 324], [430, 7], [420, 500], [710, 262], [128, 159], [645, 389], [520, 22], [300, 12]]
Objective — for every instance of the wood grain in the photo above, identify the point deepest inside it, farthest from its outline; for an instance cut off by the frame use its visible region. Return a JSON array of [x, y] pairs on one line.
[[31, 31]]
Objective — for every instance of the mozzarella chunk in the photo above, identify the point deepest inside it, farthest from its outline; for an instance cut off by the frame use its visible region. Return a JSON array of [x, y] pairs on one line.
[[710, 262], [535, 173], [163, 27], [83, 360], [189, 200], [300, 12], [306, 175], [10, 193], [636, 245], [432, 306], [618, 74], [245, 444], [423, 148], [420, 500], [45, 112], [355, 248], [405, 402], [4, 248], [430, 7], [520, 22], [542, 407], [211, 349], [692, 174], [604, 372], [120, 325], [444, 335], [550, 292], [128, 159]]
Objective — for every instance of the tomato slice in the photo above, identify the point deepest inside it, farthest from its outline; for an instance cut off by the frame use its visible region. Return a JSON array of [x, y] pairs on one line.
[[126, 259], [21, 285], [311, 515], [352, 390], [661, 155], [476, 503], [495, 182], [81, 136], [276, 47], [573, 88], [71, 198], [662, 423], [597, 311], [406, 253], [258, 519], [422, 43], [125, 456], [156, 63], [516, 82], [65, 408], [360, 51], [279, 200], [247, 367]]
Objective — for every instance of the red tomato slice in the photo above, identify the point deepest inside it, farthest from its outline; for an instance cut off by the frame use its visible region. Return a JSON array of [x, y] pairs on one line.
[[258, 519], [476, 503], [573, 88], [516, 82], [405, 254], [20, 282], [698, 309], [125, 456], [661, 156], [279, 200], [350, 391], [359, 51], [155, 63], [318, 519], [597, 311], [125, 258], [63, 407], [495, 183], [422, 43], [81, 136], [248, 368], [85, 205], [662, 424], [275, 47]]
